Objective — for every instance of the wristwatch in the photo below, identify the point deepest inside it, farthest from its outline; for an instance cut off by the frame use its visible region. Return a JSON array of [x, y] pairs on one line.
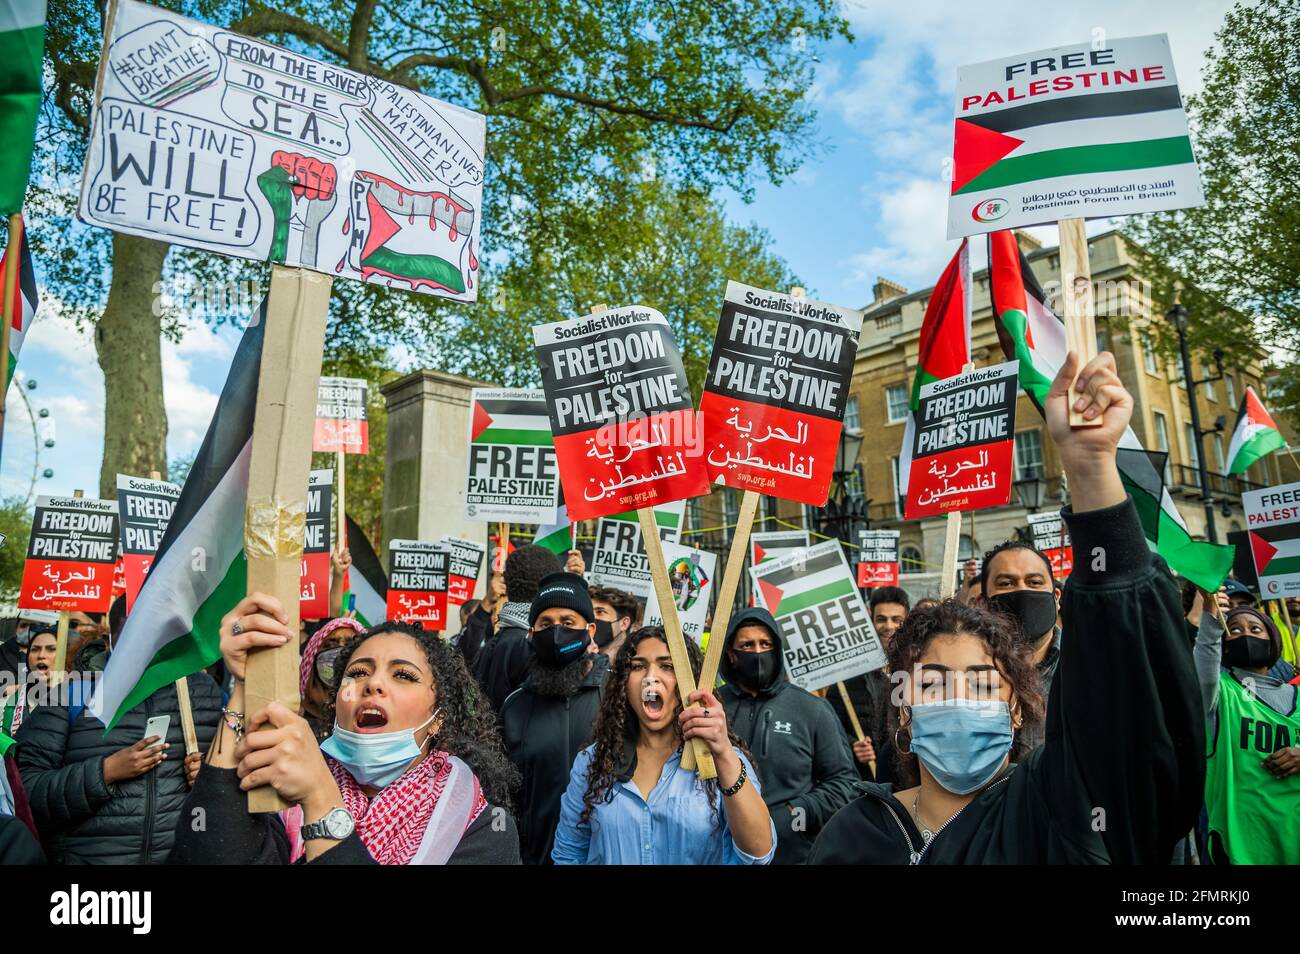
[[336, 825]]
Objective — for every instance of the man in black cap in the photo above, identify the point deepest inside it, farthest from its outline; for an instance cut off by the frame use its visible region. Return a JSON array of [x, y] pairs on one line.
[[1238, 594], [548, 720]]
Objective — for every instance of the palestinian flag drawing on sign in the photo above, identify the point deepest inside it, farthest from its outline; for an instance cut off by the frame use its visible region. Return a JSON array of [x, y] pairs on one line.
[[1030, 332], [1255, 436], [1276, 549], [1070, 132], [198, 573]]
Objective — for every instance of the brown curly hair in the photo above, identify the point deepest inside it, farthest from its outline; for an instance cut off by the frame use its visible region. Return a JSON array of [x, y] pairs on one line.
[[950, 618], [617, 728], [469, 728]]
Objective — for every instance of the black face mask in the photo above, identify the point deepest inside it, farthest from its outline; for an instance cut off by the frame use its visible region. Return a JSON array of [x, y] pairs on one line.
[[1034, 610], [1248, 652], [757, 671], [557, 645], [604, 633]]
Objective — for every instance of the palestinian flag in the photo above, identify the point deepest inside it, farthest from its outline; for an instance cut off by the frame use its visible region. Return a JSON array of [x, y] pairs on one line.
[[1031, 333], [944, 347], [198, 573], [556, 537], [1255, 435], [1276, 549], [22, 47], [366, 579], [823, 577], [25, 298]]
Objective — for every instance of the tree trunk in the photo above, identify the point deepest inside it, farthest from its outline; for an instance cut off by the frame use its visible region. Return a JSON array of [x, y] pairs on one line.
[[128, 340]]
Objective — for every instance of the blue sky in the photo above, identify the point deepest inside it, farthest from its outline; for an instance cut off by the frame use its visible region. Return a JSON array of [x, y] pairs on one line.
[[872, 204]]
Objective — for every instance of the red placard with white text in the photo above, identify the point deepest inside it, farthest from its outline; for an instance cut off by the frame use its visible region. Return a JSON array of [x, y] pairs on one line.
[[775, 395], [1051, 536], [463, 568], [341, 423], [878, 558], [70, 555], [144, 508], [314, 577], [417, 582], [621, 413]]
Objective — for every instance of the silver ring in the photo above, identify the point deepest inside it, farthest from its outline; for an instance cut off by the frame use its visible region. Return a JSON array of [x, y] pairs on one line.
[[236, 628]]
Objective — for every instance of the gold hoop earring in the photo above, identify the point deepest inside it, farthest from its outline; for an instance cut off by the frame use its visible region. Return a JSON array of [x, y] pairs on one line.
[[898, 745]]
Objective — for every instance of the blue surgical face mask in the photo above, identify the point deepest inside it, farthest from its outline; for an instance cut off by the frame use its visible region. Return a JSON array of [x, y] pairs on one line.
[[375, 758], [962, 742]]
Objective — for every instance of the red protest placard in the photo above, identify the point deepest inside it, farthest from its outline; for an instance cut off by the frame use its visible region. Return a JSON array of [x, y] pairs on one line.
[[144, 508], [878, 558], [70, 555], [962, 443], [341, 423], [621, 413], [776, 391], [417, 582], [463, 568], [314, 578], [1053, 539]]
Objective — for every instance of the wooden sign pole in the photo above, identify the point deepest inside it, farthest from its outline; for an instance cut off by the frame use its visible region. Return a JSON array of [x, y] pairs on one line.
[[1077, 302], [61, 635], [183, 691], [278, 472], [853, 718]]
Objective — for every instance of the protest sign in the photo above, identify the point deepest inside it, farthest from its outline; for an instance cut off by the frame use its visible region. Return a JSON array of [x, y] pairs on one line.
[[1273, 522], [691, 573], [417, 582], [144, 507], [825, 627], [1050, 535], [341, 425], [314, 581], [621, 412], [510, 469], [206, 138], [1076, 131], [466, 560], [70, 555], [619, 559], [878, 558], [962, 443], [774, 544], [775, 393]]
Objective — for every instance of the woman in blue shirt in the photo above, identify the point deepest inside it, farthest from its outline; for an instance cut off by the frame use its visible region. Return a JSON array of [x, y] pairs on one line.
[[629, 800]]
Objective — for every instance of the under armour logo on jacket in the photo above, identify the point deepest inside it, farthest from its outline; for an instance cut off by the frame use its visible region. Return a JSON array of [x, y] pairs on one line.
[[782, 727]]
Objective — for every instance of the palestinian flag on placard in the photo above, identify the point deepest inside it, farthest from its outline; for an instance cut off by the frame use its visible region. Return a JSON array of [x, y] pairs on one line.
[[511, 422], [1031, 333], [367, 580], [556, 537], [1255, 436], [199, 572], [1044, 139], [22, 48], [25, 297], [823, 577], [944, 347], [1276, 549]]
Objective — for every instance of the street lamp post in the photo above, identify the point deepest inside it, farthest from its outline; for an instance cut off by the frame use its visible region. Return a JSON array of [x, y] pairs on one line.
[[842, 510], [1178, 316]]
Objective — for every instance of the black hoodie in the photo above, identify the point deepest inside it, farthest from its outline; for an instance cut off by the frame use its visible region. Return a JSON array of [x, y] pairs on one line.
[[1119, 778], [800, 751]]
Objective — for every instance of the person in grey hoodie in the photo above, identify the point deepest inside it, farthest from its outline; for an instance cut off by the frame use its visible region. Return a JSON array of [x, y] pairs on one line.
[[799, 749]]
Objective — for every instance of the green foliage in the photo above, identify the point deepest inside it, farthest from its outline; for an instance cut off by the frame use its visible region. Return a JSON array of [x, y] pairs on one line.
[[16, 525], [1240, 249]]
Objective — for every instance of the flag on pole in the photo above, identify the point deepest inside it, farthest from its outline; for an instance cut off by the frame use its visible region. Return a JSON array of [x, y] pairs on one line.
[[556, 537], [1255, 436], [22, 48], [944, 347], [1030, 332], [199, 573], [25, 297], [366, 579]]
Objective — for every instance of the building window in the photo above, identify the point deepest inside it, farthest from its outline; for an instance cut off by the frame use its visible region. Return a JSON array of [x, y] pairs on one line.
[[852, 422], [1029, 455], [1162, 442], [1218, 454], [1193, 453], [896, 402], [810, 518], [767, 510], [1148, 354], [854, 486], [1210, 393], [730, 507], [911, 559], [695, 513], [1230, 390]]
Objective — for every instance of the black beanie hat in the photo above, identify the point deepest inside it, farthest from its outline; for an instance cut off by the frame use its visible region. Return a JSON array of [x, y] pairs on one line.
[[565, 590]]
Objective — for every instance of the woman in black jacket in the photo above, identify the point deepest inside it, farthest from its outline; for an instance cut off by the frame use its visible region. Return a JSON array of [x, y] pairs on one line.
[[1119, 777], [412, 772], [110, 798]]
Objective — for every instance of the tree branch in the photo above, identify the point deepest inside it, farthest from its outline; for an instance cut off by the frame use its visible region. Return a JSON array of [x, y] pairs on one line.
[[263, 22], [359, 36]]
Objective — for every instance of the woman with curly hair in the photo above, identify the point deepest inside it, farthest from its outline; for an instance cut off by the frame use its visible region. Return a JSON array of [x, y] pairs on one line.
[[412, 773], [629, 800], [1118, 778]]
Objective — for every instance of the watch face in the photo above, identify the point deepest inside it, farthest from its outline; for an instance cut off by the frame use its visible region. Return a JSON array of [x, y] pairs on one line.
[[338, 823]]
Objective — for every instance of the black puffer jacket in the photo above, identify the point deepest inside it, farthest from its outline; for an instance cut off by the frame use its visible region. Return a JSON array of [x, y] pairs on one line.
[[83, 820]]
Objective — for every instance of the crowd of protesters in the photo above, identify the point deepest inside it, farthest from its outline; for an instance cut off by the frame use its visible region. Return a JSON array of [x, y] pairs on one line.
[[549, 728]]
